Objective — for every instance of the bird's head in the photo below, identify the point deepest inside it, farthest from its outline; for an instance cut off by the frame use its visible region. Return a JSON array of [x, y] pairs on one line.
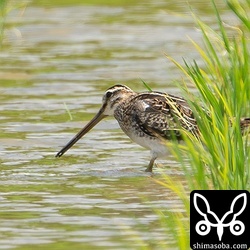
[[112, 98]]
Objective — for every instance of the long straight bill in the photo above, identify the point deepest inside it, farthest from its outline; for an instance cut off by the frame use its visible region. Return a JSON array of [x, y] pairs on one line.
[[98, 117]]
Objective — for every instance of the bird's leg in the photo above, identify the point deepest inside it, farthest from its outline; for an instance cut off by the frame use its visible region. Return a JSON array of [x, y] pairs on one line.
[[151, 164]]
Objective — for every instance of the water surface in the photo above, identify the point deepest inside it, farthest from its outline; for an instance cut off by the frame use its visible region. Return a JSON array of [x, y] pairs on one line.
[[63, 57]]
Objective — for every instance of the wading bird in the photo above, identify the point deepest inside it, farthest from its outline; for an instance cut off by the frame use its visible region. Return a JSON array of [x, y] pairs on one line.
[[149, 119]]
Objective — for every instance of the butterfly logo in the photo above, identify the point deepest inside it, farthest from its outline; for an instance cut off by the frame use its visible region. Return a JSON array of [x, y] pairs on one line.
[[210, 219]]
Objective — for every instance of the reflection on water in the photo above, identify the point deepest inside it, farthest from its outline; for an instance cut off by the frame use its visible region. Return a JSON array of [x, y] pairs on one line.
[[57, 58]]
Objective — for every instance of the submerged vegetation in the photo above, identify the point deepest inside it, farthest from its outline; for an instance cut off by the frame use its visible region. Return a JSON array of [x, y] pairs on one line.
[[3, 4], [220, 158], [6, 6]]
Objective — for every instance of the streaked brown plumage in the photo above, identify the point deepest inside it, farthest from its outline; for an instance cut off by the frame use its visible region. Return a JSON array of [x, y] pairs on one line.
[[148, 118]]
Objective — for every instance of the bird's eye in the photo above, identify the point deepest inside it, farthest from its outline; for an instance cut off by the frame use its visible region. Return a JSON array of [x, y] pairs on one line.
[[108, 94]]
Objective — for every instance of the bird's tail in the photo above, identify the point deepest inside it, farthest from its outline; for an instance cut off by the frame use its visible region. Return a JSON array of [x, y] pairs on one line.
[[245, 125]]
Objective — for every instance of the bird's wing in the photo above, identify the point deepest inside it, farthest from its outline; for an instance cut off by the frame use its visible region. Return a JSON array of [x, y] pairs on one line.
[[163, 115]]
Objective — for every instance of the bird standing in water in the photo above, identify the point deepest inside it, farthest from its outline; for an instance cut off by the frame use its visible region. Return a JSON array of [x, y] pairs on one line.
[[149, 119]]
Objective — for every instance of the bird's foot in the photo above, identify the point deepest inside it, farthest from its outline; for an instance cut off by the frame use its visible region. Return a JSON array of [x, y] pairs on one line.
[[149, 169]]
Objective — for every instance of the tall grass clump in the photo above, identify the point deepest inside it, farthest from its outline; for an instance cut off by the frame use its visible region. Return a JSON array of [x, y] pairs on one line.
[[220, 158]]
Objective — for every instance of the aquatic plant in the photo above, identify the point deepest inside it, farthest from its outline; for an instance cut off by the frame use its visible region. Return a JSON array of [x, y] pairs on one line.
[[220, 158]]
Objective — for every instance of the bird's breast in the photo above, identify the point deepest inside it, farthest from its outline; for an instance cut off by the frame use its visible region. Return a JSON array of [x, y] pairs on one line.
[[135, 132]]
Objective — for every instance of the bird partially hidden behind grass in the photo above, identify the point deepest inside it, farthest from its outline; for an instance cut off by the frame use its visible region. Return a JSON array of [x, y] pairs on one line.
[[149, 119]]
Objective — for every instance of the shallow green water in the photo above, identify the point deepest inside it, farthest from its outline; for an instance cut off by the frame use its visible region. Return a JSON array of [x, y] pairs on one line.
[[62, 57]]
